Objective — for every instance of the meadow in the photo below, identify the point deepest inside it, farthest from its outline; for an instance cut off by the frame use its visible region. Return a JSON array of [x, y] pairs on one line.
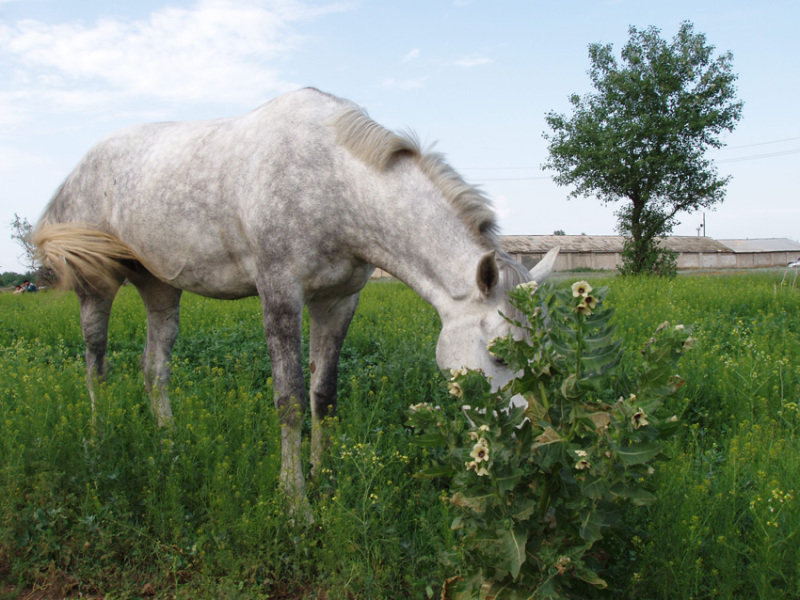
[[117, 508]]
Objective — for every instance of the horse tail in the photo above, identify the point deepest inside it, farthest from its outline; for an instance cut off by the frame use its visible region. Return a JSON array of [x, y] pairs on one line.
[[81, 257]]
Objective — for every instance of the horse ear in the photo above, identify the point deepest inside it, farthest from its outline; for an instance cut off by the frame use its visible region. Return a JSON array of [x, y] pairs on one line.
[[488, 274], [545, 266]]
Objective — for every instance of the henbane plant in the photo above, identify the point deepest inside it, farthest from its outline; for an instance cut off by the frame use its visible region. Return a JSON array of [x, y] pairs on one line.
[[539, 471]]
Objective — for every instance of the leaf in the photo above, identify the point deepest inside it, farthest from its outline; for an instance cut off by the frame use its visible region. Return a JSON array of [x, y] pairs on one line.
[[639, 454], [428, 440], [600, 362], [568, 387], [434, 471], [601, 337], [513, 543], [584, 573], [523, 509], [591, 526], [508, 483], [595, 490], [600, 318], [637, 495], [600, 419], [548, 436], [474, 503]]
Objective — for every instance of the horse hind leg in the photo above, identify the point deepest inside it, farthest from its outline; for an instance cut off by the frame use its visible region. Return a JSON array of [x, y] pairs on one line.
[[95, 313], [329, 321], [162, 305]]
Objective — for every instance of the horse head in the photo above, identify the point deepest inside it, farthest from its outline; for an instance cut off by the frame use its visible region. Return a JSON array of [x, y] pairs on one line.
[[477, 320]]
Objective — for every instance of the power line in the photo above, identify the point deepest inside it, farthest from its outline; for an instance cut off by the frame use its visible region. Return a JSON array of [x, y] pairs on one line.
[[780, 141], [757, 156], [721, 160], [514, 178]]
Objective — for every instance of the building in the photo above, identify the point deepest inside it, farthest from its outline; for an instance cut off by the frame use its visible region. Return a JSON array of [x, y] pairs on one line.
[[604, 252]]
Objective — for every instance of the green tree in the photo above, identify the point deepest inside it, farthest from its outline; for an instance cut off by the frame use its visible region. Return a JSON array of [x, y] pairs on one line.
[[642, 136], [22, 230]]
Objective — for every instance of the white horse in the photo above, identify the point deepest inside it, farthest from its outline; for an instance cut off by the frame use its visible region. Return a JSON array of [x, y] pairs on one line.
[[296, 202]]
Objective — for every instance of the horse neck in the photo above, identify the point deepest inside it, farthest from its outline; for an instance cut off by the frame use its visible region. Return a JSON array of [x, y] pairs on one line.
[[416, 235]]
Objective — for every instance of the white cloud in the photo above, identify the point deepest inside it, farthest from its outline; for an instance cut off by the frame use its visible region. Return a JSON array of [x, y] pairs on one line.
[[216, 51], [403, 84], [474, 61], [412, 55]]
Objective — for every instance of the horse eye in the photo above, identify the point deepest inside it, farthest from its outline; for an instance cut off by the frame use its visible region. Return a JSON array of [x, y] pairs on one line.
[[499, 361]]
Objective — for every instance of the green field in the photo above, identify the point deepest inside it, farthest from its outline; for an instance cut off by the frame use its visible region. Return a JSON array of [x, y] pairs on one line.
[[120, 509]]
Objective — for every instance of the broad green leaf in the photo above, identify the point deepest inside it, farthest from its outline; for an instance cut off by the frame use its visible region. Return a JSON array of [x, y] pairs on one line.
[[592, 524], [639, 453], [523, 509], [428, 440], [474, 503], [595, 489], [584, 573], [435, 471], [513, 543], [637, 495]]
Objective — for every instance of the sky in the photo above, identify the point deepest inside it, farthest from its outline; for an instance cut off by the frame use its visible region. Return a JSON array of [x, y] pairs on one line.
[[474, 77]]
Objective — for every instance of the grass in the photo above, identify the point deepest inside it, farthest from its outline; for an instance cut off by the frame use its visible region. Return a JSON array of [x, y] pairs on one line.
[[124, 510]]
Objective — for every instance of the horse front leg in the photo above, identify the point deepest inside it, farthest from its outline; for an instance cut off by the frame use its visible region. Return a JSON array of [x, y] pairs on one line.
[[283, 330], [329, 321]]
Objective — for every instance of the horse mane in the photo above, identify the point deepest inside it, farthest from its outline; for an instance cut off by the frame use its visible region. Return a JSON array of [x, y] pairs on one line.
[[379, 147]]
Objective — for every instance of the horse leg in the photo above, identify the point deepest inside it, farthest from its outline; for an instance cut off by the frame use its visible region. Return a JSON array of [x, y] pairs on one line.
[[162, 305], [95, 312], [283, 330], [329, 320]]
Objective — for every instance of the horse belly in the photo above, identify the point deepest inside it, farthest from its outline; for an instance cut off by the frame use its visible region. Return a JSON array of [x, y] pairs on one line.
[[203, 266]]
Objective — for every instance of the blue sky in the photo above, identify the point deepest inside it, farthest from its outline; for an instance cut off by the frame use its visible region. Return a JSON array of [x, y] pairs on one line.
[[475, 76]]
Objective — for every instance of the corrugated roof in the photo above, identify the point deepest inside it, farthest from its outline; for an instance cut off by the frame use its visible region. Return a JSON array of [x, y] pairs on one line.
[[522, 244], [763, 245]]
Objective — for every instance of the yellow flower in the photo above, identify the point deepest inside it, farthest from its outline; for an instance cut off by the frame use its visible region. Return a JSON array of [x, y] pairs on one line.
[[455, 389], [583, 309], [639, 419], [458, 373], [581, 288], [529, 286], [480, 470], [480, 451]]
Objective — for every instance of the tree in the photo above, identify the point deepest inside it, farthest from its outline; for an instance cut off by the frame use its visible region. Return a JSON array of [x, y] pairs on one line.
[[643, 134], [21, 233]]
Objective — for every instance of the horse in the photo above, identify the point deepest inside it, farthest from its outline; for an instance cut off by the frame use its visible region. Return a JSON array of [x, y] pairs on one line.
[[296, 202]]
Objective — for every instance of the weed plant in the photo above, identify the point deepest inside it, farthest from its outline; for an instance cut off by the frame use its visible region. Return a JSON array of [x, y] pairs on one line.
[[125, 510]]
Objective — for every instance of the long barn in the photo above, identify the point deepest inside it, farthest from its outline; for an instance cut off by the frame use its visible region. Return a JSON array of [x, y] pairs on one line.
[[604, 252]]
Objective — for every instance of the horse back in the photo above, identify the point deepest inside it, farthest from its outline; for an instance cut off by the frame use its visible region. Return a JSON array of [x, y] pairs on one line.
[[209, 205]]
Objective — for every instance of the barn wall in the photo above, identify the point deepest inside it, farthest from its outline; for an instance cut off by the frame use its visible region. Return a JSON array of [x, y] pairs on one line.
[[686, 260], [609, 261]]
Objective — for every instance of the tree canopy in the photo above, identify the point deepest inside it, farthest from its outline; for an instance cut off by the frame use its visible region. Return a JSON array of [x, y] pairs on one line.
[[642, 136]]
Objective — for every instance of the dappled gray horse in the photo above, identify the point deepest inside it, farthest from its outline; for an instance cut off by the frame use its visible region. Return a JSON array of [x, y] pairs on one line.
[[296, 202]]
